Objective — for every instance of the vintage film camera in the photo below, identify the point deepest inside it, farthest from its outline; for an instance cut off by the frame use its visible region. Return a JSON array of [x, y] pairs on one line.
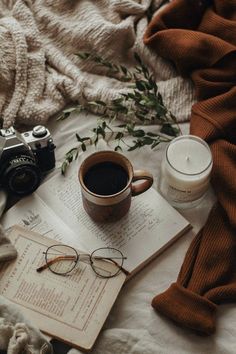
[[25, 158]]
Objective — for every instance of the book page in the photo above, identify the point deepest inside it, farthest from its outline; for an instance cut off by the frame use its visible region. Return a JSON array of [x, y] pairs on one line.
[[32, 212], [149, 226], [72, 308]]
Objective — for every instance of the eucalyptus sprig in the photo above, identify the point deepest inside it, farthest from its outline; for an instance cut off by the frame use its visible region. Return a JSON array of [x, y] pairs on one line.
[[143, 101], [113, 69], [70, 156]]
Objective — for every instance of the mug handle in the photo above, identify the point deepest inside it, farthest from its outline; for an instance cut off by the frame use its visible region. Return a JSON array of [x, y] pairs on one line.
[[139, 188]]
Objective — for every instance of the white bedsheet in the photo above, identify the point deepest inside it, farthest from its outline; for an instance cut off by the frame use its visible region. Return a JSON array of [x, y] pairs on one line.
[[133, 326]]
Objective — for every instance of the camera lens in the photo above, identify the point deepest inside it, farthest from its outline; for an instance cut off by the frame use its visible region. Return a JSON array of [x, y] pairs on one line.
[[23, 180], [22, 176]]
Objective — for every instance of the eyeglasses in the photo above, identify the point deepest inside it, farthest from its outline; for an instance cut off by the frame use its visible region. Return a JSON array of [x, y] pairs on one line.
[[106, 262]]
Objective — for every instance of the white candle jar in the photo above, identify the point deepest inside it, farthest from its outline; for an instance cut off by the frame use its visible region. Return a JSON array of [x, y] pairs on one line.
[[185, 171]]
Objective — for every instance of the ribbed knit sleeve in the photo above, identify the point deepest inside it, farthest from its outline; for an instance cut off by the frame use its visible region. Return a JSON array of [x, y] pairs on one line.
[[199, 37]]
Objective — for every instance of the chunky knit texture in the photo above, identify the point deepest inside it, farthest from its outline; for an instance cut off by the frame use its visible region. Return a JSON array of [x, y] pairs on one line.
[[199, 37], [40, 72], [17, 335]]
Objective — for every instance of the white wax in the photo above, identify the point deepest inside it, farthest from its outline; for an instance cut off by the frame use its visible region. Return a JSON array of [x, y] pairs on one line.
[[189, 156], [185, 170]]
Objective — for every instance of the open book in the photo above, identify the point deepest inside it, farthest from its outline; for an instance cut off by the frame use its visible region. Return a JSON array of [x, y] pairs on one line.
[[71, 308], [56, 210]]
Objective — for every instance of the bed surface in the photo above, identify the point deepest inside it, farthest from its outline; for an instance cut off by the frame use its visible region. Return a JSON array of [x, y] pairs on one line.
[[56, 76], [133, 326]]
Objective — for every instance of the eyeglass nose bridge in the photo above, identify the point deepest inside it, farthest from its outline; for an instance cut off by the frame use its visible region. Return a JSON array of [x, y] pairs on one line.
[[83, 256]]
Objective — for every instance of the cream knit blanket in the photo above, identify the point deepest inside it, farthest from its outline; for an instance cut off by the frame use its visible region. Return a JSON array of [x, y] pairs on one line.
[[40, 74]]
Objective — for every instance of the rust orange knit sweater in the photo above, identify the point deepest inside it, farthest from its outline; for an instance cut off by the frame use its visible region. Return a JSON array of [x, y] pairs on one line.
[[200, 38]]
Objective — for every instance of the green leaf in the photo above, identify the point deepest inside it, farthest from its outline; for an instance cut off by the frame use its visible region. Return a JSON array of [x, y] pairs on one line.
[[169, 130], [101, 131], [138, 133], [101, 103], [110, 66], [157, 142], [151, 104], [123, 69], [125, 96], [160, 110], [141, 85], [64, 167], [78, 137], [151, 134], [71, 151], [137, 94], [137, 58], [117, 101], [143, 102], [118, 148], [70, 158], [160, 99], [63, 116], [134, 147], [83, 55], [120, 109], [140, 116], [131, 96], [154, 85], [66, 115], [97, 59], [119, 136], [173, 117], [138, 69], [83, 147], [93, 103], [71, 155], [96, 140], [126, 78], [121, 125], [69, 110], [147, 140], [145, 71], [130, 129], [116, 67]]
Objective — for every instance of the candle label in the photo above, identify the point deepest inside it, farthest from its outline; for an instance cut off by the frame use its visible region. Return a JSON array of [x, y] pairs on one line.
[[187, 195]]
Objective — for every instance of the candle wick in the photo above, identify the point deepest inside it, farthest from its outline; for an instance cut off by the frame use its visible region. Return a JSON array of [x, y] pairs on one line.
[[187, 158]]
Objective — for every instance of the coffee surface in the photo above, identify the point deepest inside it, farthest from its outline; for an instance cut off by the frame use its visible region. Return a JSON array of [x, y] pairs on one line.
[[106, 178]]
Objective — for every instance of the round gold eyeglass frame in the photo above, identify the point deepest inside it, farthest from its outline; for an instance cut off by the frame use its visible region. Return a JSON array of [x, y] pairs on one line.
[[117, 259]]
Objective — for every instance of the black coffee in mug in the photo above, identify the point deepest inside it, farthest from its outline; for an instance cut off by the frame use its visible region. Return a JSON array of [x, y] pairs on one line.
[[106, 178]]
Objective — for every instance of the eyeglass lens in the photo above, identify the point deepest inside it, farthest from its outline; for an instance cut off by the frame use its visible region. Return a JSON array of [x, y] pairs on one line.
[[61, 259], [106, 262]]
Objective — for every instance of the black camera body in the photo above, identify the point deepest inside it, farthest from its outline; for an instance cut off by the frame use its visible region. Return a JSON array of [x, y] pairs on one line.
[[25, 158]]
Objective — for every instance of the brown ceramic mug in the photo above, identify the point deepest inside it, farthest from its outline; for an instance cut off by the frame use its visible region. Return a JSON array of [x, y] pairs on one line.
[[106, 179]]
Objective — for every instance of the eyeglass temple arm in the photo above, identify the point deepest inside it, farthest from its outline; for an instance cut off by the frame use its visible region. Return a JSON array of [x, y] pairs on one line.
[[54, 260], [112, 260]]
